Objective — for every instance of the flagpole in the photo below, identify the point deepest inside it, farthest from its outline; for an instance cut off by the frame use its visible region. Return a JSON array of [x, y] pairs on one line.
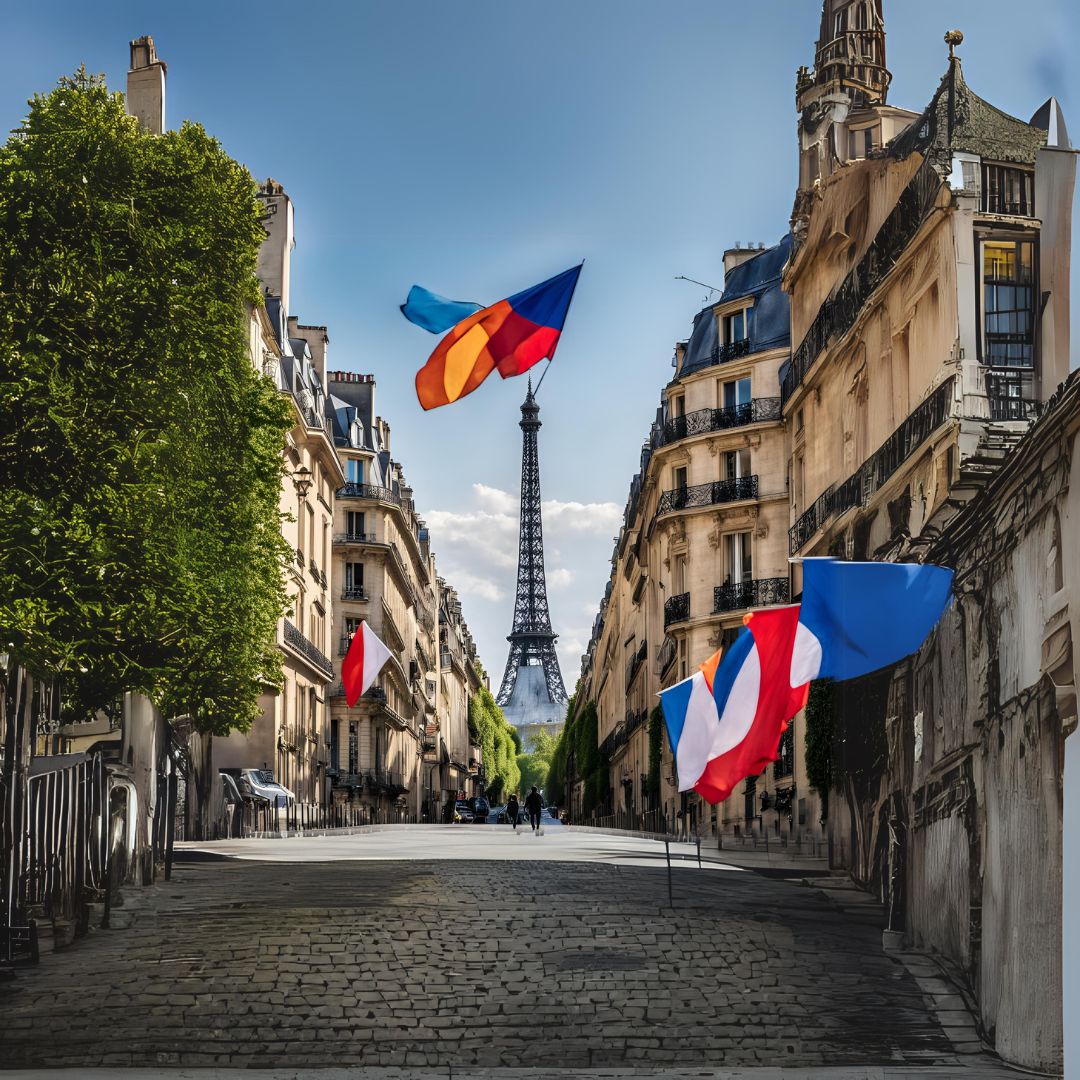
[[568, 307]]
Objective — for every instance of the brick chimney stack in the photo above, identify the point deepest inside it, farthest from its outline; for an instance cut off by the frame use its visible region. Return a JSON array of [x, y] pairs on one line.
[[146, 86]]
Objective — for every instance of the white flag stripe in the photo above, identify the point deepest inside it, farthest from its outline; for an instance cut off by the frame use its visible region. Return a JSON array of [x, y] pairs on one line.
[[805, 657], [699, 730], [740, 707], [375, 656]]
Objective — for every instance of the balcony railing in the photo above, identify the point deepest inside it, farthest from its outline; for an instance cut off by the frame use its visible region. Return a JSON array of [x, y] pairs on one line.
[[667, 655], [747, 594], [369, 491], [703, 421], [297, 640], [719, 491], [353, 592], [1011, 395], [677, 609], [838, 313], [355, 538], [857, 489]]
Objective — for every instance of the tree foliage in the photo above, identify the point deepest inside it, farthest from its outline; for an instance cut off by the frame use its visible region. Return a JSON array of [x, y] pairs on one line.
[[140, 453], [498, 741], [536, 764], [556, 778]]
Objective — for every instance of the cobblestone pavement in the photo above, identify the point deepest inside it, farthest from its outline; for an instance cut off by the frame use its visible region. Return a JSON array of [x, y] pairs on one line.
[[473, 965]]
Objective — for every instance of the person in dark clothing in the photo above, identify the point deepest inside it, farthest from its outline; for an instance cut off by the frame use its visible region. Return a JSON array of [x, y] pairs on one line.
[[512, 811], [534, 803]]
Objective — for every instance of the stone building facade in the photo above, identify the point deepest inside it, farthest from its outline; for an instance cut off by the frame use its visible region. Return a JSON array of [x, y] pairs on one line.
[[703, 539], [291, 736]]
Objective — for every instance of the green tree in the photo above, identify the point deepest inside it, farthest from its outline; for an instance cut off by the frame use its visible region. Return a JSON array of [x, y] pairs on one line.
[[140, 453], [556, 779], [498, 741]]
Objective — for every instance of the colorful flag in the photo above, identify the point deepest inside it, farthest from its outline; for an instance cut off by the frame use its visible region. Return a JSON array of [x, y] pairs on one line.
[[433, 312], [362, 663], [509, 336], [855, 618]]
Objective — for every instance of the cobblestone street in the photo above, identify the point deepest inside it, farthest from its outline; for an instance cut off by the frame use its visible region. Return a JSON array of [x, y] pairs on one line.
[[473, 963]]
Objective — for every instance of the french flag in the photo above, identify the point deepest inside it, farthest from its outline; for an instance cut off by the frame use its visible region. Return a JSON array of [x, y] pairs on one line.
[[724, 723], [362, 663]]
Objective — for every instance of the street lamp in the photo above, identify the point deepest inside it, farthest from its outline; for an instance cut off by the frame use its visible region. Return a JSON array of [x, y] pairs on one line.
[[302, 481]]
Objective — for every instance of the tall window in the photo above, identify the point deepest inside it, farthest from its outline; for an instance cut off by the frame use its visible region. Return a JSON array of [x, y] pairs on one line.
[[678, 575], [1008, 303], [736, 392], [354, 747], [738, 559], [735, 327], [679, 477], [354, 580], [354, 523], [1007, 190], [354, 470], [736, 464]]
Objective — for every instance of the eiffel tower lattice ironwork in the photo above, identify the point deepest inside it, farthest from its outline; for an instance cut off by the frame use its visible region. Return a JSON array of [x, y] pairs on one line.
[[532, 641]]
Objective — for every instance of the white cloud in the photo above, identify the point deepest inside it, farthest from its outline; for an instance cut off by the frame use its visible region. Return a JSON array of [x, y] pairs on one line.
[[561, 578], [476, 551]]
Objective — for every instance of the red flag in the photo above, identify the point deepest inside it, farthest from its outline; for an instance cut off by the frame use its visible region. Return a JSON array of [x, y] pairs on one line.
[[362, 664]]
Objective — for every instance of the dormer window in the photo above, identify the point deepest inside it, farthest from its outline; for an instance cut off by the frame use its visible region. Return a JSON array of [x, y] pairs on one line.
[[1008, 190], [735, 327]]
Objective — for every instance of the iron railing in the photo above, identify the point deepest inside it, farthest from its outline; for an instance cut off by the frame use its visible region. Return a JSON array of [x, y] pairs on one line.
[[838, 313], [353, 592], [1010, 395], [760, 592], [677, 609], [719, 491], [370, 491], [666, 656], [702, 421], [354, 538], [299, 642], [857, 489]]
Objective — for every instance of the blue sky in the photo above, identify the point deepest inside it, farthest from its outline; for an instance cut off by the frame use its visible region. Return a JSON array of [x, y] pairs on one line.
[[479, 147]]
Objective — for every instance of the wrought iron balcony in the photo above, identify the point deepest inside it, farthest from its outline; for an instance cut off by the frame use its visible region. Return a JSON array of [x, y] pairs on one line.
[[1011, 395], [747, 594], [667, 655], [355, 538], [369, 491], [719, 491], [838, 313], [352, 592], [677, 609], [858, 488], [297, 640], [703, 421]]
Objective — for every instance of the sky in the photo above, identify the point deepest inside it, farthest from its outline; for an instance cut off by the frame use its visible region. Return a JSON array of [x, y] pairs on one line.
[[480, 147]]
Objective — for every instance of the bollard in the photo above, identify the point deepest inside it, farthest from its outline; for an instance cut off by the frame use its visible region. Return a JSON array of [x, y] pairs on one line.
[[699, 852], [667, 854]]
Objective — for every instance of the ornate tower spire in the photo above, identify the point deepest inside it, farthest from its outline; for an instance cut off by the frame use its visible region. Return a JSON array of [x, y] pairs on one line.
[[532, 641]]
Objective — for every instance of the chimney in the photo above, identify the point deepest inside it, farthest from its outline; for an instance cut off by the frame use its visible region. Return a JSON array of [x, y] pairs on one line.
[[146, 86], [275, 254], [737, 255]]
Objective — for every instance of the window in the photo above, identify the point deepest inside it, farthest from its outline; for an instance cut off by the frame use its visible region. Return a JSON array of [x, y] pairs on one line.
[[738, 561], [354, 747], [678, 405], [736, 464], [1006, 190], [750, 799], [799, 422], [785, 765], [735, 327], [1008, 303], [354, 470], [736, 392], [679, 477], [354, 523], [840, 22], [354, 581], [678, 575]]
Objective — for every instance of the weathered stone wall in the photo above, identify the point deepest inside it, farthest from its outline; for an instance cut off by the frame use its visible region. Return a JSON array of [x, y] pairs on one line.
[[950, 785]]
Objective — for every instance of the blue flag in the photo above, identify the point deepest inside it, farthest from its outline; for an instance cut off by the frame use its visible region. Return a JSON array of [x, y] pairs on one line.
[[866, 616], [434, 312]]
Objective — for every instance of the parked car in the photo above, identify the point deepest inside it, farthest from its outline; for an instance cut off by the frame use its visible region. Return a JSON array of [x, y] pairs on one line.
[[462, 814], [481, 808], [260, 784]]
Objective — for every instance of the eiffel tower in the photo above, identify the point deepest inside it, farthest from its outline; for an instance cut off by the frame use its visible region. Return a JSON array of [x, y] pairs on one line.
[[532, 690]]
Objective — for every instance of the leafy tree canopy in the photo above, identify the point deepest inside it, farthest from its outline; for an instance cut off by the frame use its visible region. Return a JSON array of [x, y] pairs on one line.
[[140, 453]]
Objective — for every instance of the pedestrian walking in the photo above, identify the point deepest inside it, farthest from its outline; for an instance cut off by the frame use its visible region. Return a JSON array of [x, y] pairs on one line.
[[534, 803], [513, 808]]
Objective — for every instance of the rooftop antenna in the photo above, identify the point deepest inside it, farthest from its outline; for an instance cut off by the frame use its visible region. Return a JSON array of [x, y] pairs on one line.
[[693, 281]]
